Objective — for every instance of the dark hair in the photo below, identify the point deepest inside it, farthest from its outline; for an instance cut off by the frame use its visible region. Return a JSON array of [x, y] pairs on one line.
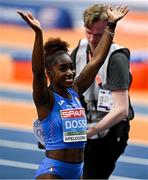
[[52, 48]]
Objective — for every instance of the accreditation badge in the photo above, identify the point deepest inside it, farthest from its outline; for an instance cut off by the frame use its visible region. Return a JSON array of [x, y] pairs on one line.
[[105, 101], [74, 125]]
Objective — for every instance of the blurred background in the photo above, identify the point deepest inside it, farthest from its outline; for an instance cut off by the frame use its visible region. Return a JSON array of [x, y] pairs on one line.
[[61, 18]]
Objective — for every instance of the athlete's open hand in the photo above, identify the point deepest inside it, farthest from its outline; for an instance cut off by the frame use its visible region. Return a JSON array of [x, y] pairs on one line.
[[117, 13], [30, 20]]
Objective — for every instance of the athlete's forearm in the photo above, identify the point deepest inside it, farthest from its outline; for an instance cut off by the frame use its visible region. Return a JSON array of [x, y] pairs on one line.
[[38, 54]]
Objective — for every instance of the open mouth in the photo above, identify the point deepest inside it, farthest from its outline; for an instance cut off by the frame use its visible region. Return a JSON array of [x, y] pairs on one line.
[[69, 80]]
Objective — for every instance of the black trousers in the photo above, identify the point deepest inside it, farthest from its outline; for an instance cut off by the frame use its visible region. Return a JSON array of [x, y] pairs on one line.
[[101, 154]]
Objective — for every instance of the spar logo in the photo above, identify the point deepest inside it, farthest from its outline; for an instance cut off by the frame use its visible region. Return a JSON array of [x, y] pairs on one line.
[[73, 113], [73, 119]]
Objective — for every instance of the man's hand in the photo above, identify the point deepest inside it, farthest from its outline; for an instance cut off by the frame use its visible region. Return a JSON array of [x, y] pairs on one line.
[[91, 132]]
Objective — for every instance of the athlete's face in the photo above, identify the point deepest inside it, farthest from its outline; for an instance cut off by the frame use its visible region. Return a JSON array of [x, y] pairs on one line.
[[94, 33], [62, 73]]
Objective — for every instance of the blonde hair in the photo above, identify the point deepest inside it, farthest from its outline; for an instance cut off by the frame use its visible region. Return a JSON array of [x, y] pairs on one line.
[[94, 13]]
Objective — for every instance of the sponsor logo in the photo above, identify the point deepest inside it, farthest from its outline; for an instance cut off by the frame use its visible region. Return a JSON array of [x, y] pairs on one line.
[[61, 102], [75, 138], [74, 113]]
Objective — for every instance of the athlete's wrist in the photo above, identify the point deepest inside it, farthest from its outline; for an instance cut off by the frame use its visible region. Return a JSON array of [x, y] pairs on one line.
[[111, 25]]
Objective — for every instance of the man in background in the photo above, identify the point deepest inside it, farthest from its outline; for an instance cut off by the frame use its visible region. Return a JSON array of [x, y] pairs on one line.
[[107, 101]]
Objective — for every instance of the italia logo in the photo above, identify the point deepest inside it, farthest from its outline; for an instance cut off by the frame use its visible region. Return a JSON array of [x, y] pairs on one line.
[[73, 113]]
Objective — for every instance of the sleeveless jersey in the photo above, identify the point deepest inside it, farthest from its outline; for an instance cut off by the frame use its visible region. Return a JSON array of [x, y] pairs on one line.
[[66, 124]]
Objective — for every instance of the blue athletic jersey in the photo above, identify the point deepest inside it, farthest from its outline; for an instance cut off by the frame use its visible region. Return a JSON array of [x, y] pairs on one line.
[[68, 112]]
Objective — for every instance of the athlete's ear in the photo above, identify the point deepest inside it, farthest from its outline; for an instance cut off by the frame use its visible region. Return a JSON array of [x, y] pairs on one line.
[[48, 71], [50, 74]]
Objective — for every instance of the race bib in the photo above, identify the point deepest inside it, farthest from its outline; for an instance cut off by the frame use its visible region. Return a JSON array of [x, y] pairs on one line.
[[38, 132], [105, 102], [74, 125]]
